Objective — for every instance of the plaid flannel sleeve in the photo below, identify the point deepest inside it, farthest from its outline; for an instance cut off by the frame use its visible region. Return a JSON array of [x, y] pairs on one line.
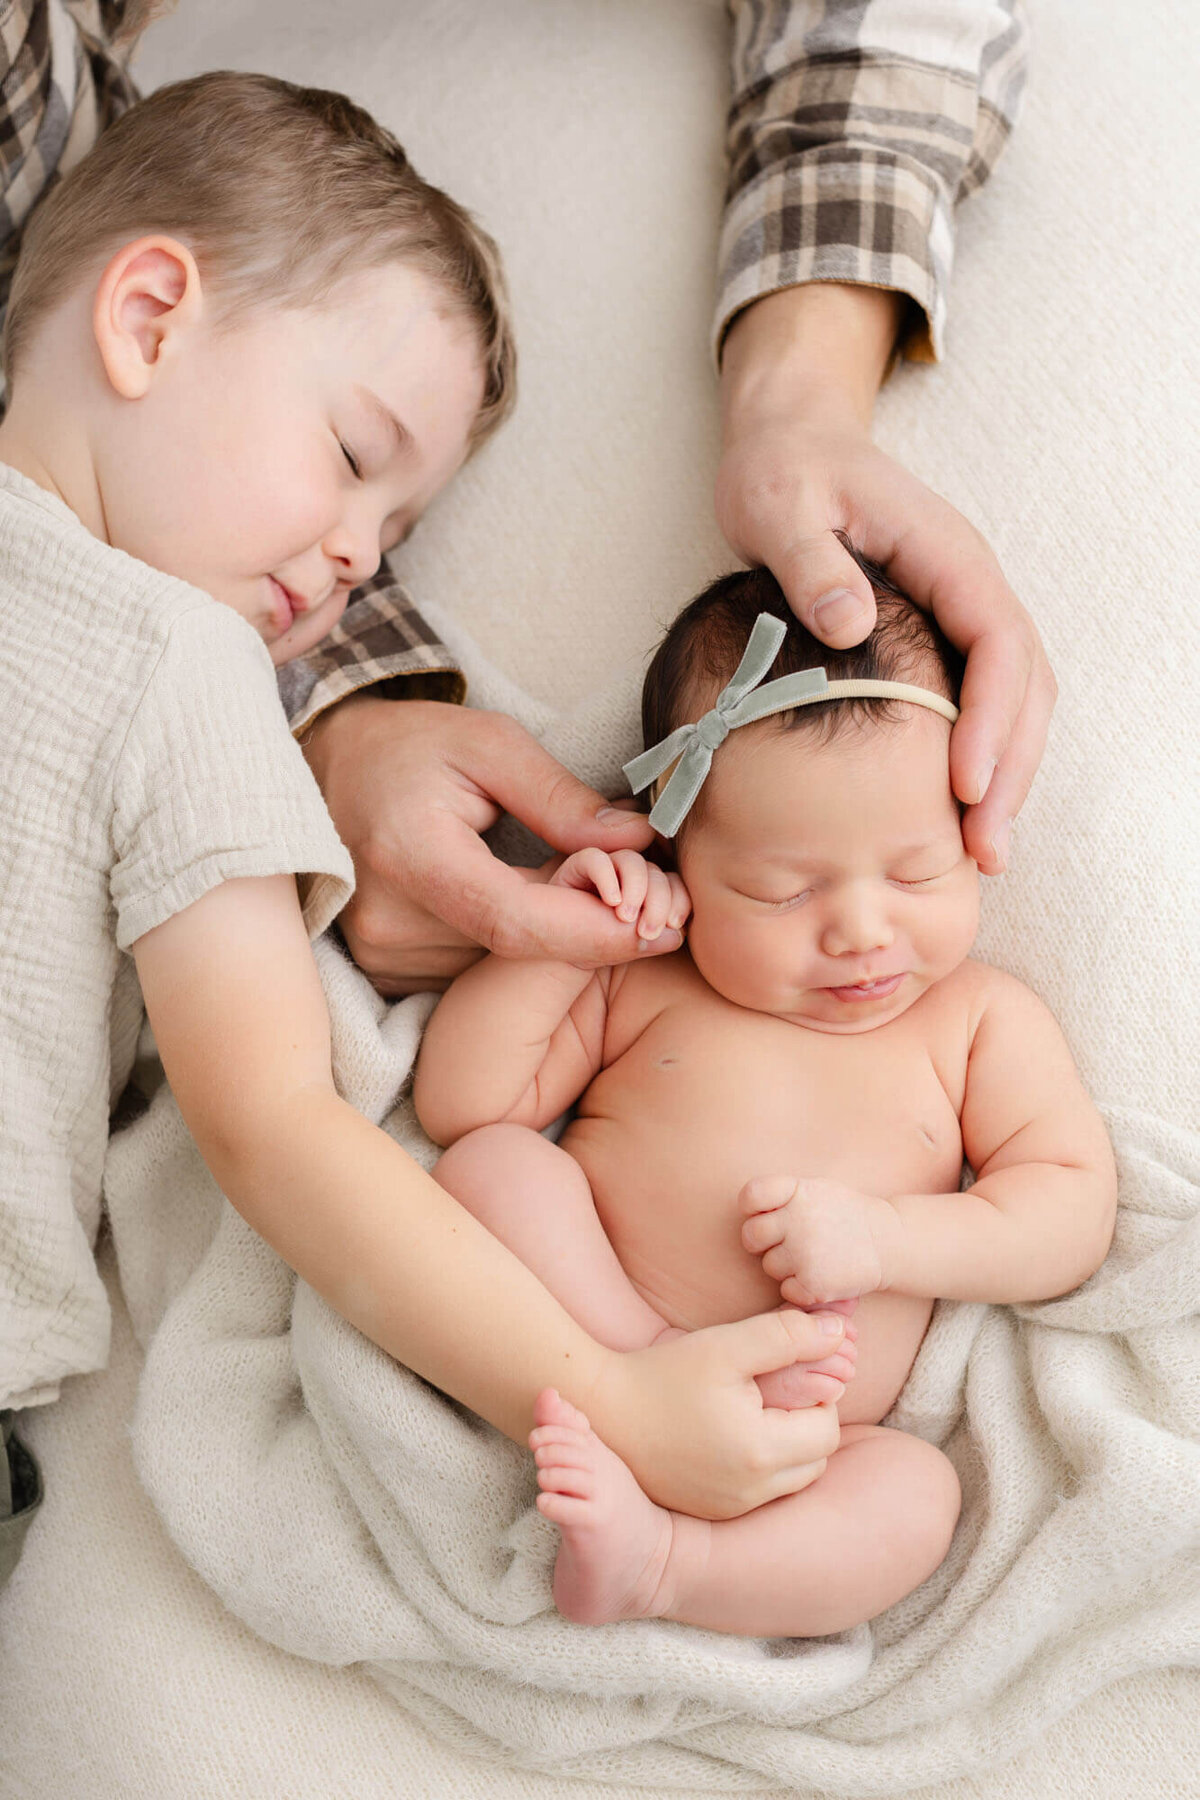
[[854, 129], [63, 78]]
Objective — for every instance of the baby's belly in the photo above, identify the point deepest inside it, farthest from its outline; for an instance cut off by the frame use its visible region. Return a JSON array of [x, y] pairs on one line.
[[676, 1231]]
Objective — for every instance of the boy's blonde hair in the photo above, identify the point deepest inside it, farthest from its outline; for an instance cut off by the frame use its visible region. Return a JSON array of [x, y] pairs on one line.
[[280, 192]]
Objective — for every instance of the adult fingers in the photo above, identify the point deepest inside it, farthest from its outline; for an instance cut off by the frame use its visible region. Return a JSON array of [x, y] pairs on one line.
[[456, 877], [825, 588], [987, 827], [515, 771]]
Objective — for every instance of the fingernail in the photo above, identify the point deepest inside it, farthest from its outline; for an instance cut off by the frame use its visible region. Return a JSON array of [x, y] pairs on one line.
[[983, 780], [832, 1324], [838, 609], [1000, 843], [609, 815], [665, 942]]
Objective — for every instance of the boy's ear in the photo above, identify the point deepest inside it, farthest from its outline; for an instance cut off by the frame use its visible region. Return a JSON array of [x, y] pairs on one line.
[[148, 293]]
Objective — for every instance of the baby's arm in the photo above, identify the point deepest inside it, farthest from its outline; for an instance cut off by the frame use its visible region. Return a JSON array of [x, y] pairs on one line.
[[239, 1017], [519, 1041], [1037, 1222]]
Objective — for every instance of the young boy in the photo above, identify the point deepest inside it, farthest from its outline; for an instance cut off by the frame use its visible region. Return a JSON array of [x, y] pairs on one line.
[[824, 1021], [246, 347]]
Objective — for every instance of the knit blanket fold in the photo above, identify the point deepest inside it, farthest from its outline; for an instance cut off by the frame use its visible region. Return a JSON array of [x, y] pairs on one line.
[[351, 1513]]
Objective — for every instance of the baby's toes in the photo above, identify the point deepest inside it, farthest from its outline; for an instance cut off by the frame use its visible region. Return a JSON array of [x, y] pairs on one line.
[[798, 1386], [551, 1409]]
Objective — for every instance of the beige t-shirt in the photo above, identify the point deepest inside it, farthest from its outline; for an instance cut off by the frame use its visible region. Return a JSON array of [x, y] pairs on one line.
[[144, 759]]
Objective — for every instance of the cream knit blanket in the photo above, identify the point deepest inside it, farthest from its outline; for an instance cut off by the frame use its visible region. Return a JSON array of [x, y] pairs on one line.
[[350, 1513]]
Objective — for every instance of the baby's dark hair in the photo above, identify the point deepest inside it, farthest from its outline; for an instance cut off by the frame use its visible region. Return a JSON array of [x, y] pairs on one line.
[[704, 645]]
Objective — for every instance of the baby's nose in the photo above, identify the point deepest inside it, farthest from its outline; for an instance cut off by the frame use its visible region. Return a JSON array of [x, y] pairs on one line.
[[856, 921]]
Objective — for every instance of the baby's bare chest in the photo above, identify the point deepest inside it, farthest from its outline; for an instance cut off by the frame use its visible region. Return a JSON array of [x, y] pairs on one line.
[[709, 1095]]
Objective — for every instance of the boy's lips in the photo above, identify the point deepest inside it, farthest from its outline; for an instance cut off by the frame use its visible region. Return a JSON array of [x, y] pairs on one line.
[[879, 989], [288, 606]]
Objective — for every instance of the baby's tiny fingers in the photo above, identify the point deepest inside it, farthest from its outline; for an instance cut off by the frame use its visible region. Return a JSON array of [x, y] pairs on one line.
[[656, 905], [591, 868], [681, 902], [766, 1192], [763, 1232], [633, 872]]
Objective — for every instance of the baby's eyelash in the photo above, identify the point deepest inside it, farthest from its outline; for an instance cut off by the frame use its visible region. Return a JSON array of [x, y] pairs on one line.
[[351, 459]]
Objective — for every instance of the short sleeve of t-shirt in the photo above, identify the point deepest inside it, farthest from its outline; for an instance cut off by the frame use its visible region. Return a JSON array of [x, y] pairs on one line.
[[210, 785]]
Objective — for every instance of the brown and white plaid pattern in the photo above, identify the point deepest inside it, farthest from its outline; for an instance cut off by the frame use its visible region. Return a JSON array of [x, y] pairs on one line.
[[855, 127]]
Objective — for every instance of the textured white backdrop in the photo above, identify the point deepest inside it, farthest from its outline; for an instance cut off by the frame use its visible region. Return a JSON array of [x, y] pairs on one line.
[[587, 134]]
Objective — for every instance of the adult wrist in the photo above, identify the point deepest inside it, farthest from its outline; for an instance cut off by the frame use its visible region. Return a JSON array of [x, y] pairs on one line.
[[821, 348]]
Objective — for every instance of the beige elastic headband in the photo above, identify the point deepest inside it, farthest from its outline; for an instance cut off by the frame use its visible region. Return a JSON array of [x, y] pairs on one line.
[[743, 702]]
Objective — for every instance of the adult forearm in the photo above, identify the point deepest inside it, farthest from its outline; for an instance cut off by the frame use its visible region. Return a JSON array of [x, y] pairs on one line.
[[392, 1252], [1026, 1233], [823, 347]]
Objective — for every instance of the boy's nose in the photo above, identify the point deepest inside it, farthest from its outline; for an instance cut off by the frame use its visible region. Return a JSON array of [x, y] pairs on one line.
[[855, 921], [355, 550]]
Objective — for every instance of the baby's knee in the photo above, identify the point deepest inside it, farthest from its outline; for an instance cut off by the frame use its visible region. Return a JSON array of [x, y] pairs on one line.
[[480, 1156], [924, 1497], [934, 1497]]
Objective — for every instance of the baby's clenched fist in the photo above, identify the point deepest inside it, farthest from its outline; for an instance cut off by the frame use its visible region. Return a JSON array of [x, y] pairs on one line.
[[639, 892], [820, 1240]]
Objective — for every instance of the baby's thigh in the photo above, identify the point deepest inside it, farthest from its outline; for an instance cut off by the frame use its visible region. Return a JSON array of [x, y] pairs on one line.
[[536, 1199], [884, 1512], [502, 1170]]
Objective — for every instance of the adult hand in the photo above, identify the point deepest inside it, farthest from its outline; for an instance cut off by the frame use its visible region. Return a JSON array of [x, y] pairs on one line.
[[799, 376], [411, 785]]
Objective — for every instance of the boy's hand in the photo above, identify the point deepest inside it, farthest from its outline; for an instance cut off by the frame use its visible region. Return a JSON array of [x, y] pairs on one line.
[[818, 1239], [688, 1418], [638, 892]]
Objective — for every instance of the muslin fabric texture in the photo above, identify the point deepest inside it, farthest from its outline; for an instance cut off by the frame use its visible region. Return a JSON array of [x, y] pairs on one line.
[[144, 760], [1060, 423]]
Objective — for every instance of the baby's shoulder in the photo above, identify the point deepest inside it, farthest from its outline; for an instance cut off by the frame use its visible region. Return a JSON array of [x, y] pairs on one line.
[[984, 992], [637, 992]]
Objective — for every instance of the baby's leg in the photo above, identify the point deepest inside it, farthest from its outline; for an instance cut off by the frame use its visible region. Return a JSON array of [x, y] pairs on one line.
[[536, 1199], [876, 1524]]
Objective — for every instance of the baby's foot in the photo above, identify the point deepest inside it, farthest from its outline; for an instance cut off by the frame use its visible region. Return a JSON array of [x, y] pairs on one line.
[[807, 1384], [615, 1540]]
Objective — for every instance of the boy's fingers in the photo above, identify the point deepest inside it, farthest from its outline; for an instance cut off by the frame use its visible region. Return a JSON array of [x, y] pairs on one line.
[[772, 1340]]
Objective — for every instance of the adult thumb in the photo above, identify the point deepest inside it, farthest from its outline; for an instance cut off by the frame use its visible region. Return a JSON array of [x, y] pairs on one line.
[[826, 589], [568, 814], [775, 1340]]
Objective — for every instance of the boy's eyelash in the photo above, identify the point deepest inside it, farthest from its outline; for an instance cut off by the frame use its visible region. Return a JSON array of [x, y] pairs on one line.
[[351, 459]]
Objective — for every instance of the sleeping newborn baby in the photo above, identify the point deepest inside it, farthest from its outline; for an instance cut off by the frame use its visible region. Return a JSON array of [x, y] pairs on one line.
[[777, 1111]]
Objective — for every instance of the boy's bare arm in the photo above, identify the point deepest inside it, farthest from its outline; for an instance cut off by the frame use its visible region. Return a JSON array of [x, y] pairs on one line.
[[1038, 1221], [239, 1017], [518, 1042]]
